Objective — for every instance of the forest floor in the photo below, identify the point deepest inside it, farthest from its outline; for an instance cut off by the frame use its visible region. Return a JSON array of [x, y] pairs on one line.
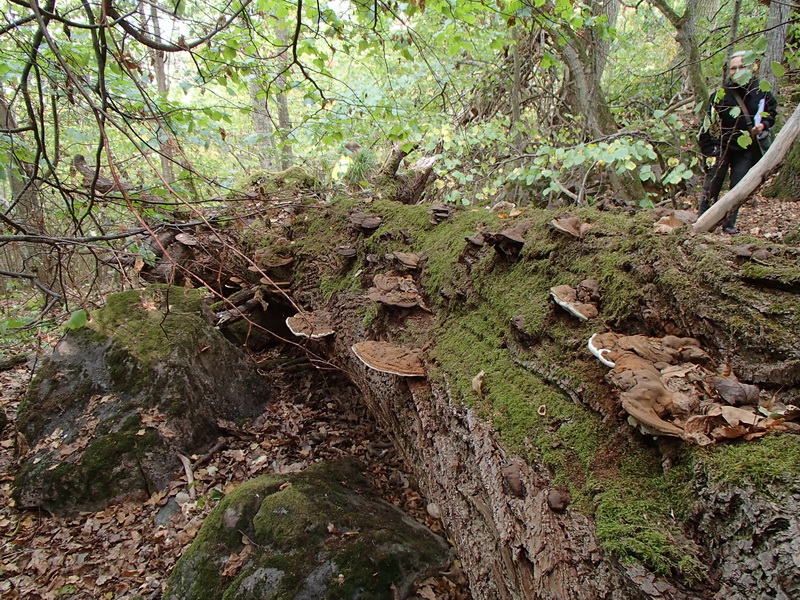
[[128, 550]]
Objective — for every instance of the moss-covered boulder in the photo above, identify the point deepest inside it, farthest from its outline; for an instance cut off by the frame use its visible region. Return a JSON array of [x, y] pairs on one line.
[[146, 378], [319, 534], [265, 183]]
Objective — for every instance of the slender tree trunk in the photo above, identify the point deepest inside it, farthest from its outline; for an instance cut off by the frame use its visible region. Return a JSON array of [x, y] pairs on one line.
[[26, 211], [686, 35], [777, 25], [733, 38], [262, 125], [162, 84], [284, 120]]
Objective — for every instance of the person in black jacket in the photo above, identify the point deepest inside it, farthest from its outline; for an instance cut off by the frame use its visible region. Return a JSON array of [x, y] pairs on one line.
[[724, 151]]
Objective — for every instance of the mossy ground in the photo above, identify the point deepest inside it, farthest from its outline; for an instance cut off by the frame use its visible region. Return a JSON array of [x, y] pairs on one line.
[[613, 474]]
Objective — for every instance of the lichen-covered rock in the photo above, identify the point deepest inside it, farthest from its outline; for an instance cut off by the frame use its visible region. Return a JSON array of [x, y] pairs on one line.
[[107, 413], [319, 534]]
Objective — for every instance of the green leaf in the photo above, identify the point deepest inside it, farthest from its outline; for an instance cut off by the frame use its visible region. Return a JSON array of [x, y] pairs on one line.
[[735, 112], [646, 203], [778, 69], [744, 140], [657, 114], [78, 320], [764, 85]]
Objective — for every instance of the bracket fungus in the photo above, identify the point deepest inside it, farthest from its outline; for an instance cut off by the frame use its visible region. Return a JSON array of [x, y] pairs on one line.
[[394, 290], [186, 239], [409, 260], [386, 358], [440, 212], [667, 389], [571, 225], [365, 222], [346, 250], [567, 298], [312, 325], [509, 242]]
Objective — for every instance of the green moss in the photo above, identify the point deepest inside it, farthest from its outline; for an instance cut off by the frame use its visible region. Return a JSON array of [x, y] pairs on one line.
[[771, 460], [289, 519], [267, 182], [787, 275], [617, 480], [95, 478], [289, 531]]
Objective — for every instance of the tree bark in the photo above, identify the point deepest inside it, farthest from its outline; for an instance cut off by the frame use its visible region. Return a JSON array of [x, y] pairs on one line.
[[737, 196], [777, 25], [262, 125], [166, 154], [284, 119], [686, 36]]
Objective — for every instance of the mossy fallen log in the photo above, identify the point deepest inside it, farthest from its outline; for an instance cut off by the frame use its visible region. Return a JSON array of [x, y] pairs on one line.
[[515, 434], [631, 524]]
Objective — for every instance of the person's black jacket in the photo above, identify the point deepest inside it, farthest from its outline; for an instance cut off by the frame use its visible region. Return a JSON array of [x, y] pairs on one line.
[[725, 128]]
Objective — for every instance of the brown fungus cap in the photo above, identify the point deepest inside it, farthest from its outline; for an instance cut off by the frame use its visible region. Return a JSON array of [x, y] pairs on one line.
[[365, 221], [571, 225], [566, 297], [313, 325], [394, 290], [386, 358]]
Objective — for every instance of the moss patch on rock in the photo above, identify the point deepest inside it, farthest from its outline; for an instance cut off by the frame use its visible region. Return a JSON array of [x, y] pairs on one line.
[[145, 353], [321, 533]]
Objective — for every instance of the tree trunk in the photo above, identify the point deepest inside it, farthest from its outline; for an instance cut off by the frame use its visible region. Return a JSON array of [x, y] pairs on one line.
[[284, 120], [262, 125], [737, 196], [498, 459], [27, 211], [777, 25], [166, 154], [686, 36]]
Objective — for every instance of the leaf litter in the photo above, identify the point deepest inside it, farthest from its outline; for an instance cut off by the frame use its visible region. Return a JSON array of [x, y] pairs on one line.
[[127, 550]]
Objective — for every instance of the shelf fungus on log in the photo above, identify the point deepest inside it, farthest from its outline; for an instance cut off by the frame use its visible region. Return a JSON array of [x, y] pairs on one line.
[[365, 222], [509, 242], [409, 260], [186, 239], [394, 290], [567, 298], [386, 358], [668, 388], [312, 325], [571, 225], [439, 213], [346, 250]]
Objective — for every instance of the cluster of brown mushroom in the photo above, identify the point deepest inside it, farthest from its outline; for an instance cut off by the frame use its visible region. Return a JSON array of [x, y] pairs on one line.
[[667, 388], [395, 290]]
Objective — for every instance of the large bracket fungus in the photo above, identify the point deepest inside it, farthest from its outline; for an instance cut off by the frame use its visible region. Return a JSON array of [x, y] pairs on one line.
[[579, 302], [571, 225], [386, 358], [667, 389], [395, 290], [311, 325], [509, 242]]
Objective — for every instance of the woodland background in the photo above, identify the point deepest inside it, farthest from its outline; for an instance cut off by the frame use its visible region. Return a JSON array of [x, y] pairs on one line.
[[176, 106]]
